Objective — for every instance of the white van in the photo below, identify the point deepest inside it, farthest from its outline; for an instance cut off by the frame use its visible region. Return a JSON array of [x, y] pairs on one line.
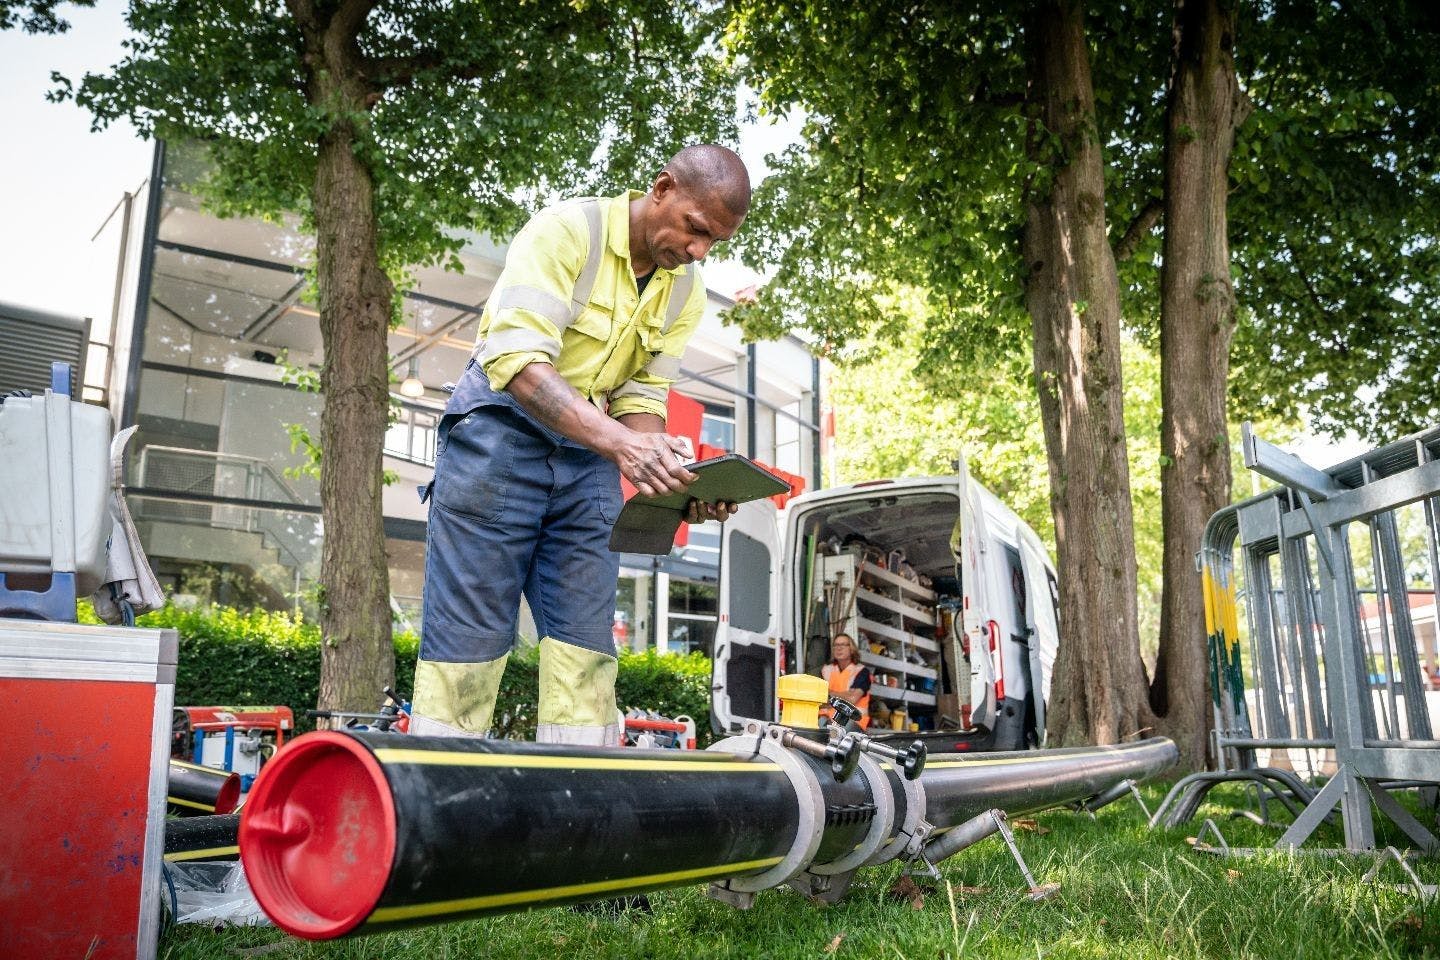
[[951, 597]]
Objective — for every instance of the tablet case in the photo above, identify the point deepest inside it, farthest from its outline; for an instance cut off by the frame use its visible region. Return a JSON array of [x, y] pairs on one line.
[[648, 524]]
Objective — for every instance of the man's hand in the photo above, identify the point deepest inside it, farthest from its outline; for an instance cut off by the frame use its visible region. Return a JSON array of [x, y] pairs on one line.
[[699, 511], [651, 461]]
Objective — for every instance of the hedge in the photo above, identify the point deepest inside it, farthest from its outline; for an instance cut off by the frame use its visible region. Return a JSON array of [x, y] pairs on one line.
[[257, 657]]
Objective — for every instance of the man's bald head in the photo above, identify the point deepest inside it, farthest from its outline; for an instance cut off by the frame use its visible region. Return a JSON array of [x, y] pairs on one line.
[[697, 201], [708, 168]]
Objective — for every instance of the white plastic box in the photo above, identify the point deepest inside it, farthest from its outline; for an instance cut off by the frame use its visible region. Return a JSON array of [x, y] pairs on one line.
[[54, 485]]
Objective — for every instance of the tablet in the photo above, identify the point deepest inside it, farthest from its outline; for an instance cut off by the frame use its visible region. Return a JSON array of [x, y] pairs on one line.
[[648, 524]]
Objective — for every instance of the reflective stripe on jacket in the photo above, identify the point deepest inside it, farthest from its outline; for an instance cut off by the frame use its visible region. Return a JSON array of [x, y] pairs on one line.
[[567, 296]]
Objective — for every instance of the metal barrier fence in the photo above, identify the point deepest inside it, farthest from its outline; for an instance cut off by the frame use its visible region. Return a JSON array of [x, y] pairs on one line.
[[1339, 568]]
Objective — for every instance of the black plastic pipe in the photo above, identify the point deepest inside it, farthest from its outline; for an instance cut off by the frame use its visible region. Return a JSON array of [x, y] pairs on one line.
[[353, 832], [960, 786], [203, 838], [194, 790]]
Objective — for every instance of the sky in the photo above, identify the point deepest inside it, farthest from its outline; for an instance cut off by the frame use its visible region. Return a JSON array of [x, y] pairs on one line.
[[63, 180]]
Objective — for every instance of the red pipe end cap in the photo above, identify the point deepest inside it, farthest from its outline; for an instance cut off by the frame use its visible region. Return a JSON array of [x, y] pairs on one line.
[[318, 837], [229, 795]]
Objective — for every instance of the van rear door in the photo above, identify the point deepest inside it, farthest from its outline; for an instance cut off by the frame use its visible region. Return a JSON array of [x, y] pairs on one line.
[[1041, 617], [970, 546], [747, 648]]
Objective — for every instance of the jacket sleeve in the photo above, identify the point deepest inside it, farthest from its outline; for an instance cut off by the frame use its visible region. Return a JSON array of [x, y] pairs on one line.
[[647, 388], [531, 306]]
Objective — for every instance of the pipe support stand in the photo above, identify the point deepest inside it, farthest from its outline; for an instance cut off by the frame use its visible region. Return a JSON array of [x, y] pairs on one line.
[[962, 836]]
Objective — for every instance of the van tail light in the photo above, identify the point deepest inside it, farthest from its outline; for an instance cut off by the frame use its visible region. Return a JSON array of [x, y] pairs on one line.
[[999, 662]]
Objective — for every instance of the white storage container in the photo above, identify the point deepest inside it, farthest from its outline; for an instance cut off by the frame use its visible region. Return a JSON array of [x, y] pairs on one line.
[[54, 487]]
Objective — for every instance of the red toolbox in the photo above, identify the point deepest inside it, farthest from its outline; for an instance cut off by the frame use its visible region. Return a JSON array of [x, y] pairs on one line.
[[85, 761]]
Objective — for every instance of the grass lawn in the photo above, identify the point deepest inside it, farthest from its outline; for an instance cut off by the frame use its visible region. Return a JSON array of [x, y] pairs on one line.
[[1124, 892]]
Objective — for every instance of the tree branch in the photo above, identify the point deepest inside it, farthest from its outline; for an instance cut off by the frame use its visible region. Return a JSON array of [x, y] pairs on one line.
[[386, 72], [398, 71], [305, 14], [1243, 108], [1139, 227], [982, 97], [999, 100], [1313, 293], [349, 18]]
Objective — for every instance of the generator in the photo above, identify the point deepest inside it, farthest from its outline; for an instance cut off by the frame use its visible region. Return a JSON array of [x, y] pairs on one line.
[[235, 739], [646, 728]]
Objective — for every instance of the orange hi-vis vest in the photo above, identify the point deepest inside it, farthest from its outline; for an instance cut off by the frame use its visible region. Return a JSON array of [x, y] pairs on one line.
[[841, 681]]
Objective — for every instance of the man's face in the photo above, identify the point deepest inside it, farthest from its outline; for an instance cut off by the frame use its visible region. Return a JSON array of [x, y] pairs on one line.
[[685, 224]]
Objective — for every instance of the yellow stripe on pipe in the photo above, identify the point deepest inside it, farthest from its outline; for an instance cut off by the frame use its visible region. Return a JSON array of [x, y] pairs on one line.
[[202, 854], [547, 762], [954, 764], [415, 910], [191, 803], [198, 768]]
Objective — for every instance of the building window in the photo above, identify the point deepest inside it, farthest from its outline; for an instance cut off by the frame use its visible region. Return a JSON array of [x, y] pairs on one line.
[[242, 556], [406, 562], [717, 427], [631, 626], [693, 614], [788, 446], [412, 436]]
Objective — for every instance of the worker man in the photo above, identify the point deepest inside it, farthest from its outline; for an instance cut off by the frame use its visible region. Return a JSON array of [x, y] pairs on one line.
[[565, 393]]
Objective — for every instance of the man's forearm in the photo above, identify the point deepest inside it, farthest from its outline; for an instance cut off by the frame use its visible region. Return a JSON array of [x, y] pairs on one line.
[[549, 398], [647, 457]]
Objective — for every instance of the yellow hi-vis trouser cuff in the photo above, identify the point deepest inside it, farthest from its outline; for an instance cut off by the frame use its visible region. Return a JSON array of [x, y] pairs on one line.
[[577, 696], [455, 699]]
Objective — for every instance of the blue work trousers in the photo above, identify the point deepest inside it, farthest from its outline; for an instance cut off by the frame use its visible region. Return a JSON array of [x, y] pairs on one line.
[[515, 508]]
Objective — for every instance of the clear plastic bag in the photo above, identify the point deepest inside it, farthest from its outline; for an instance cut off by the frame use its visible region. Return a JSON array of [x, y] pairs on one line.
[[213, 892]]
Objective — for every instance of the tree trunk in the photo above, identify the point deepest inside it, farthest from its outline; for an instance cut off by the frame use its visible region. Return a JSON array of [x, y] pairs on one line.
[[1196, 323], [1072, 295], [358, 655]]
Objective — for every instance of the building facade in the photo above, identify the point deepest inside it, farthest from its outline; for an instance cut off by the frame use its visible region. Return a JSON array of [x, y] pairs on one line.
[[213, 352]]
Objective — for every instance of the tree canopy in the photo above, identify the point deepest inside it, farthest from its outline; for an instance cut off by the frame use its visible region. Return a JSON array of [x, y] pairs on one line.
[[467, 116], [36, 16], [913, 164], [390, 125], [1335, 215], [935, 132]]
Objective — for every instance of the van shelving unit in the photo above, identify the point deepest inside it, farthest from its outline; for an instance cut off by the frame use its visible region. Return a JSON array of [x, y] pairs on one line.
[[889, 608]]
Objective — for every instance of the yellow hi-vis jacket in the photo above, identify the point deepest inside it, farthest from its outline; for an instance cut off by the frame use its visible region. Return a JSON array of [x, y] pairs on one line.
[[568, 297]]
